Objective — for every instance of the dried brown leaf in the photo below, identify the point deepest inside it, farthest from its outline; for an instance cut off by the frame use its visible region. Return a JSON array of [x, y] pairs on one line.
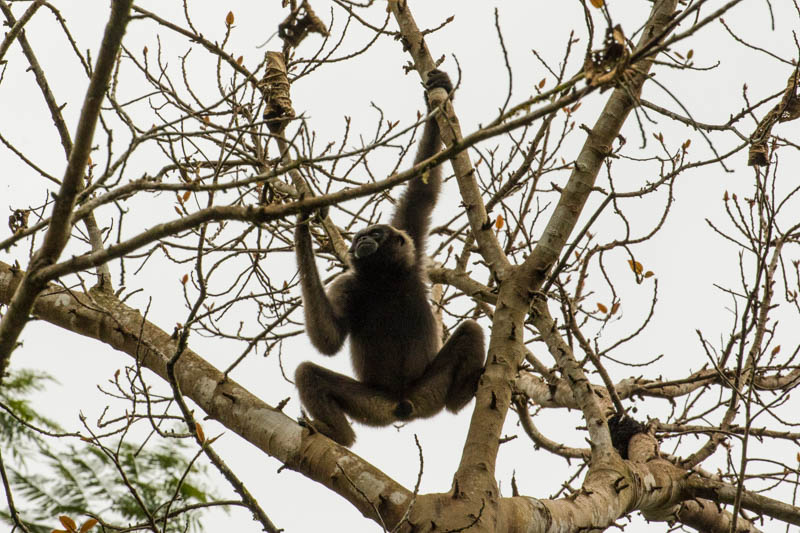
[[636, 266], [89, 524], [68, 523]]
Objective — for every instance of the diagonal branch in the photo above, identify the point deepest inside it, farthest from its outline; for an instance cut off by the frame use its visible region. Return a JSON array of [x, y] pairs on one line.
[[17, 26], [102, 316], [590, 159], [451, 134], [59, 230], [95, 236]]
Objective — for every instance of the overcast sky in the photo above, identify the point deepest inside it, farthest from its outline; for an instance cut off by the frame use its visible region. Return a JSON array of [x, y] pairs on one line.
[[687, 256]]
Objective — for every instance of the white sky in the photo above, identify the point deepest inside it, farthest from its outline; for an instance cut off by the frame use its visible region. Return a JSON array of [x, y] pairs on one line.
[[686, 256]]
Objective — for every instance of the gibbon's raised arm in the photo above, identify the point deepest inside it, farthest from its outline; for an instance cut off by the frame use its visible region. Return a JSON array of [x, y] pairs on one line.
[[402, 371], [413, 213], [326, 325]]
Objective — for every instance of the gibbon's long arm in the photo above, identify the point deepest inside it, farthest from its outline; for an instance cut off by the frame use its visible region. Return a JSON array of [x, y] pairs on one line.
[[417, 202], [326, 325], [402, 371]]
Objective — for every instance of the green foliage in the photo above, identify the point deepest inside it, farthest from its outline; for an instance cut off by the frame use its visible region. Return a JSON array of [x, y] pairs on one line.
[[16, 438], [121, 483]]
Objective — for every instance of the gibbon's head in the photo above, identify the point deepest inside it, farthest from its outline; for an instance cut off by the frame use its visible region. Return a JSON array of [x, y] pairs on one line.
[[382, 246]]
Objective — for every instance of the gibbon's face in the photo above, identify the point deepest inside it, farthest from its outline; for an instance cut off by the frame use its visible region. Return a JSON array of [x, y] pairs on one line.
[[367, 241], [382, 245]]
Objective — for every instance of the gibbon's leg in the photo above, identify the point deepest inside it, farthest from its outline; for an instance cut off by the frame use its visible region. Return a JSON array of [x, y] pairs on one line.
[[328, 396], [451, 378]]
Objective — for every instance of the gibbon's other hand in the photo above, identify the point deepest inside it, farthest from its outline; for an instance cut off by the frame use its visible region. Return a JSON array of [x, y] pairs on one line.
[[439, 79]]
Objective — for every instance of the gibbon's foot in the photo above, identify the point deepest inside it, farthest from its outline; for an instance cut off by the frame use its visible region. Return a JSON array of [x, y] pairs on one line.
[[305, 422], [462, 390], [439, 79], [404, 409], [344, 438]]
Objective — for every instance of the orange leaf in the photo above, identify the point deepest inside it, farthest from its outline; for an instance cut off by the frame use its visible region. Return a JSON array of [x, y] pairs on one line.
[[636, 266], [229, 18], [597, 3], [239, 60], [649, 274], [68, 523], [186, 195], [89, 524], [602, 308], [178, 210], [689, 54], [725, 196], [199, 429], [499, 222], [776, 349], [686, 144], [615, 308], [184, 279], [541, 83]]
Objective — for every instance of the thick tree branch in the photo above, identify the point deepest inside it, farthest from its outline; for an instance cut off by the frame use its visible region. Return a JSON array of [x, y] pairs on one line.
[[95, 236], [582, 389], [101, 316], [451, 134], [595, 150], [607, 493], [59, 230]]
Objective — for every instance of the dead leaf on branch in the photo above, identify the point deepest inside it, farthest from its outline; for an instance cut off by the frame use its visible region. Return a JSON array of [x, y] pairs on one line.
[[278, 110], [300, 22], [18, 220], [607, 64]]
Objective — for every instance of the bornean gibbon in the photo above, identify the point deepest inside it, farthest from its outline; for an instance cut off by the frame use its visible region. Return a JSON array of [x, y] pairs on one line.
[[382, 303]]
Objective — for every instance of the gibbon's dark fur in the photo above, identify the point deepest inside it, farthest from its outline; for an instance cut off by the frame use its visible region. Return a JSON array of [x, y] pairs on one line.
[[381, 302]]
